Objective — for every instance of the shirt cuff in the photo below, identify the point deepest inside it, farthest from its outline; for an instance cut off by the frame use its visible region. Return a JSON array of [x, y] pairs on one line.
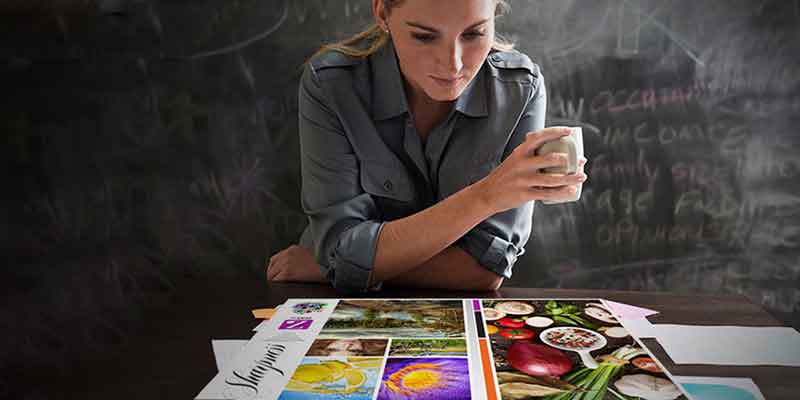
[[353, 257], [494, 253]]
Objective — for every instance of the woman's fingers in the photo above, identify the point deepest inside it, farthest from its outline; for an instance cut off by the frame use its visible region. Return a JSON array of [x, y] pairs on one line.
[[283, 275], [555, 180], [536, 139], [273, 268], [547, 161], [554, 194]]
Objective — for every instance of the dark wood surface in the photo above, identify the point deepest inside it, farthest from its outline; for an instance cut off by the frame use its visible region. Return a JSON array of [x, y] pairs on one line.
[[170, 357]]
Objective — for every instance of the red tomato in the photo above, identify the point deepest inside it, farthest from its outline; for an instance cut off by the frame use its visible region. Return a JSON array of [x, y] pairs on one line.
[[509, 322], [516, 334]]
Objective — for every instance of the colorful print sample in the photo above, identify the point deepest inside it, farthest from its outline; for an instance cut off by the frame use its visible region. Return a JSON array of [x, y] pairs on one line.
[[396, 318], [351, 347], [568, 349], [425, 379], [428, 347], [334, 379]]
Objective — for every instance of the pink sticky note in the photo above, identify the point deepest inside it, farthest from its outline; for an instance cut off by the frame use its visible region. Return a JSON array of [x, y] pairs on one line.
[[622, 310]]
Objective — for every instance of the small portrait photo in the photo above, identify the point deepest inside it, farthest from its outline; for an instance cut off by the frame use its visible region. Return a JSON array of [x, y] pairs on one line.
[[350, 347]]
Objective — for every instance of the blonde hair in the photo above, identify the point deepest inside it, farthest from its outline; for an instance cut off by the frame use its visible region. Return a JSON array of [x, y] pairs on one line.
[[374, 37]]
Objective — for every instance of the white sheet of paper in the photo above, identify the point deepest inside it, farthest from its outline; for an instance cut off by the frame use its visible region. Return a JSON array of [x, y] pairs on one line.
[[259, 370], [719, 388], [226, 350], [262, 325], [638, 327], [729, 345]]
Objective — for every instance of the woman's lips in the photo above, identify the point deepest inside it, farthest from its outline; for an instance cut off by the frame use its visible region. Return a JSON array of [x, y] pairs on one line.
[[447, 81]]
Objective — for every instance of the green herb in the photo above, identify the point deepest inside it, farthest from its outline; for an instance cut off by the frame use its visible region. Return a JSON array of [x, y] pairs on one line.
[[567, 314], [592, 384]]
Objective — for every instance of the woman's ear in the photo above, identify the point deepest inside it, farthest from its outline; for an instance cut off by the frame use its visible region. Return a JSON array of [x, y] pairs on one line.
[[379, 11]]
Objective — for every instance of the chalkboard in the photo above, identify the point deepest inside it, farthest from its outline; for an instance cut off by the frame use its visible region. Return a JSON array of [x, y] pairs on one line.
[[145, 141]]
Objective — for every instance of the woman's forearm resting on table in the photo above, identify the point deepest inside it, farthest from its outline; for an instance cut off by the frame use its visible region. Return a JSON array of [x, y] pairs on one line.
[[408, 243], [453, 268]]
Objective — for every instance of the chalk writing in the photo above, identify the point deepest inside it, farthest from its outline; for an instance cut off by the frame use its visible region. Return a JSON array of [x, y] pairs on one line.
[[635, 238], [646, 99], [604, 168]]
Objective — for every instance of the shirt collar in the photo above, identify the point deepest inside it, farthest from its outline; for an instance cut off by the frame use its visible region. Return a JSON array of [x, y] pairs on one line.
[[389, 96], [472, 101]]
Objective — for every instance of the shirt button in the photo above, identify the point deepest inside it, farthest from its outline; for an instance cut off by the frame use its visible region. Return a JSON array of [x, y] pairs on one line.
[[387, 185]]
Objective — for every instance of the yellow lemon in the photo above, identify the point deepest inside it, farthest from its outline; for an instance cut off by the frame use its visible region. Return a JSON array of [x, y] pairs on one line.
[[314, 373], [299, 386], [336, 368], [355, 377]]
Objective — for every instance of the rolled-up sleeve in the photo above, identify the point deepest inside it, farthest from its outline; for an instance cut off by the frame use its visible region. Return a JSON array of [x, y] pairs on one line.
[[343, 218], [500, 240]]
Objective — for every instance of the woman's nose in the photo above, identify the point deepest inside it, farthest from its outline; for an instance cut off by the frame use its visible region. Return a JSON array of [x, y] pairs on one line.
[[452, 59]]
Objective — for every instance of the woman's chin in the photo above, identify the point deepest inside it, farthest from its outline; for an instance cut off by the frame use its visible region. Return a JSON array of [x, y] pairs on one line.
[[443, 95]]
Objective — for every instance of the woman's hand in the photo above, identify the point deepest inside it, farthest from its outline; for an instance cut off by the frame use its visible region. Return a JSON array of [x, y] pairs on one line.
[[294, 264], [519, 178]]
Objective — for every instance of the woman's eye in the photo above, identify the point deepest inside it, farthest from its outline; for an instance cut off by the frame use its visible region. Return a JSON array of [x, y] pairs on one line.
[[424, 38], [473, 35]]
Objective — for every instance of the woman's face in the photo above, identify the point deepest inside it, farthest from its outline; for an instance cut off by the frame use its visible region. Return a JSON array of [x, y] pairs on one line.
[[440, 45], [344, 347]]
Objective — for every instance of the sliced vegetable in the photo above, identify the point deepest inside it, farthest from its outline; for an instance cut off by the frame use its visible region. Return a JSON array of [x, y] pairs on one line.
[[647, 387], [647, 364], [509, 322], [539, 322], [514, 307], [598, 305], [491, 329], [537, 359], [517, 333], [490, 314], [600, 314]]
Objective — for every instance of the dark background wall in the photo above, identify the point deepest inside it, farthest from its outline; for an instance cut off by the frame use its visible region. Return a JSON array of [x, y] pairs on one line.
[[145, 142]]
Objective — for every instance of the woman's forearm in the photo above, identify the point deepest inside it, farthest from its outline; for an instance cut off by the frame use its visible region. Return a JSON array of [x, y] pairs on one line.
[[453, 268], [406, 243]]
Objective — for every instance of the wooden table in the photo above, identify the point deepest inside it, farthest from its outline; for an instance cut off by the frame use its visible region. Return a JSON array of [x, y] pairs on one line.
[[170, 356]]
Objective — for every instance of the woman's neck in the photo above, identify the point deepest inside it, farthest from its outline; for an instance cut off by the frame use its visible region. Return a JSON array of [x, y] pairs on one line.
[[426, 111]]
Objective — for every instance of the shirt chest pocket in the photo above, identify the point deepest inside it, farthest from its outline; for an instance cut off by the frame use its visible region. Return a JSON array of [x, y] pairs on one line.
[[455, 178], [390, 186]]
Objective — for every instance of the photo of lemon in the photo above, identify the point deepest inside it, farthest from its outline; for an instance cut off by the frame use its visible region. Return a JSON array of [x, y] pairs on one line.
[[355, 377]]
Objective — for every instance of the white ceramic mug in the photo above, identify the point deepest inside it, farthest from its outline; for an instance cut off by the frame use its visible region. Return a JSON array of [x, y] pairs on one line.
[[572, 146]]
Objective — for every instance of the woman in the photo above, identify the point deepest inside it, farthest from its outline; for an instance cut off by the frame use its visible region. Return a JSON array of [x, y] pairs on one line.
[[417, 140]]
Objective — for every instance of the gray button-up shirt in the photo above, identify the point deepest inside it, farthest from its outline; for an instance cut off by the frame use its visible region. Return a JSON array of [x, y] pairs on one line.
[[363, 163]]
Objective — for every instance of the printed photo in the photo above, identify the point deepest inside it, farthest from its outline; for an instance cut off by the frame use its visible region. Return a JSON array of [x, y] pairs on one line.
[[428, 347], [334, 379], [569, 349], [396, 318], [351, 347], [425, 378]]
